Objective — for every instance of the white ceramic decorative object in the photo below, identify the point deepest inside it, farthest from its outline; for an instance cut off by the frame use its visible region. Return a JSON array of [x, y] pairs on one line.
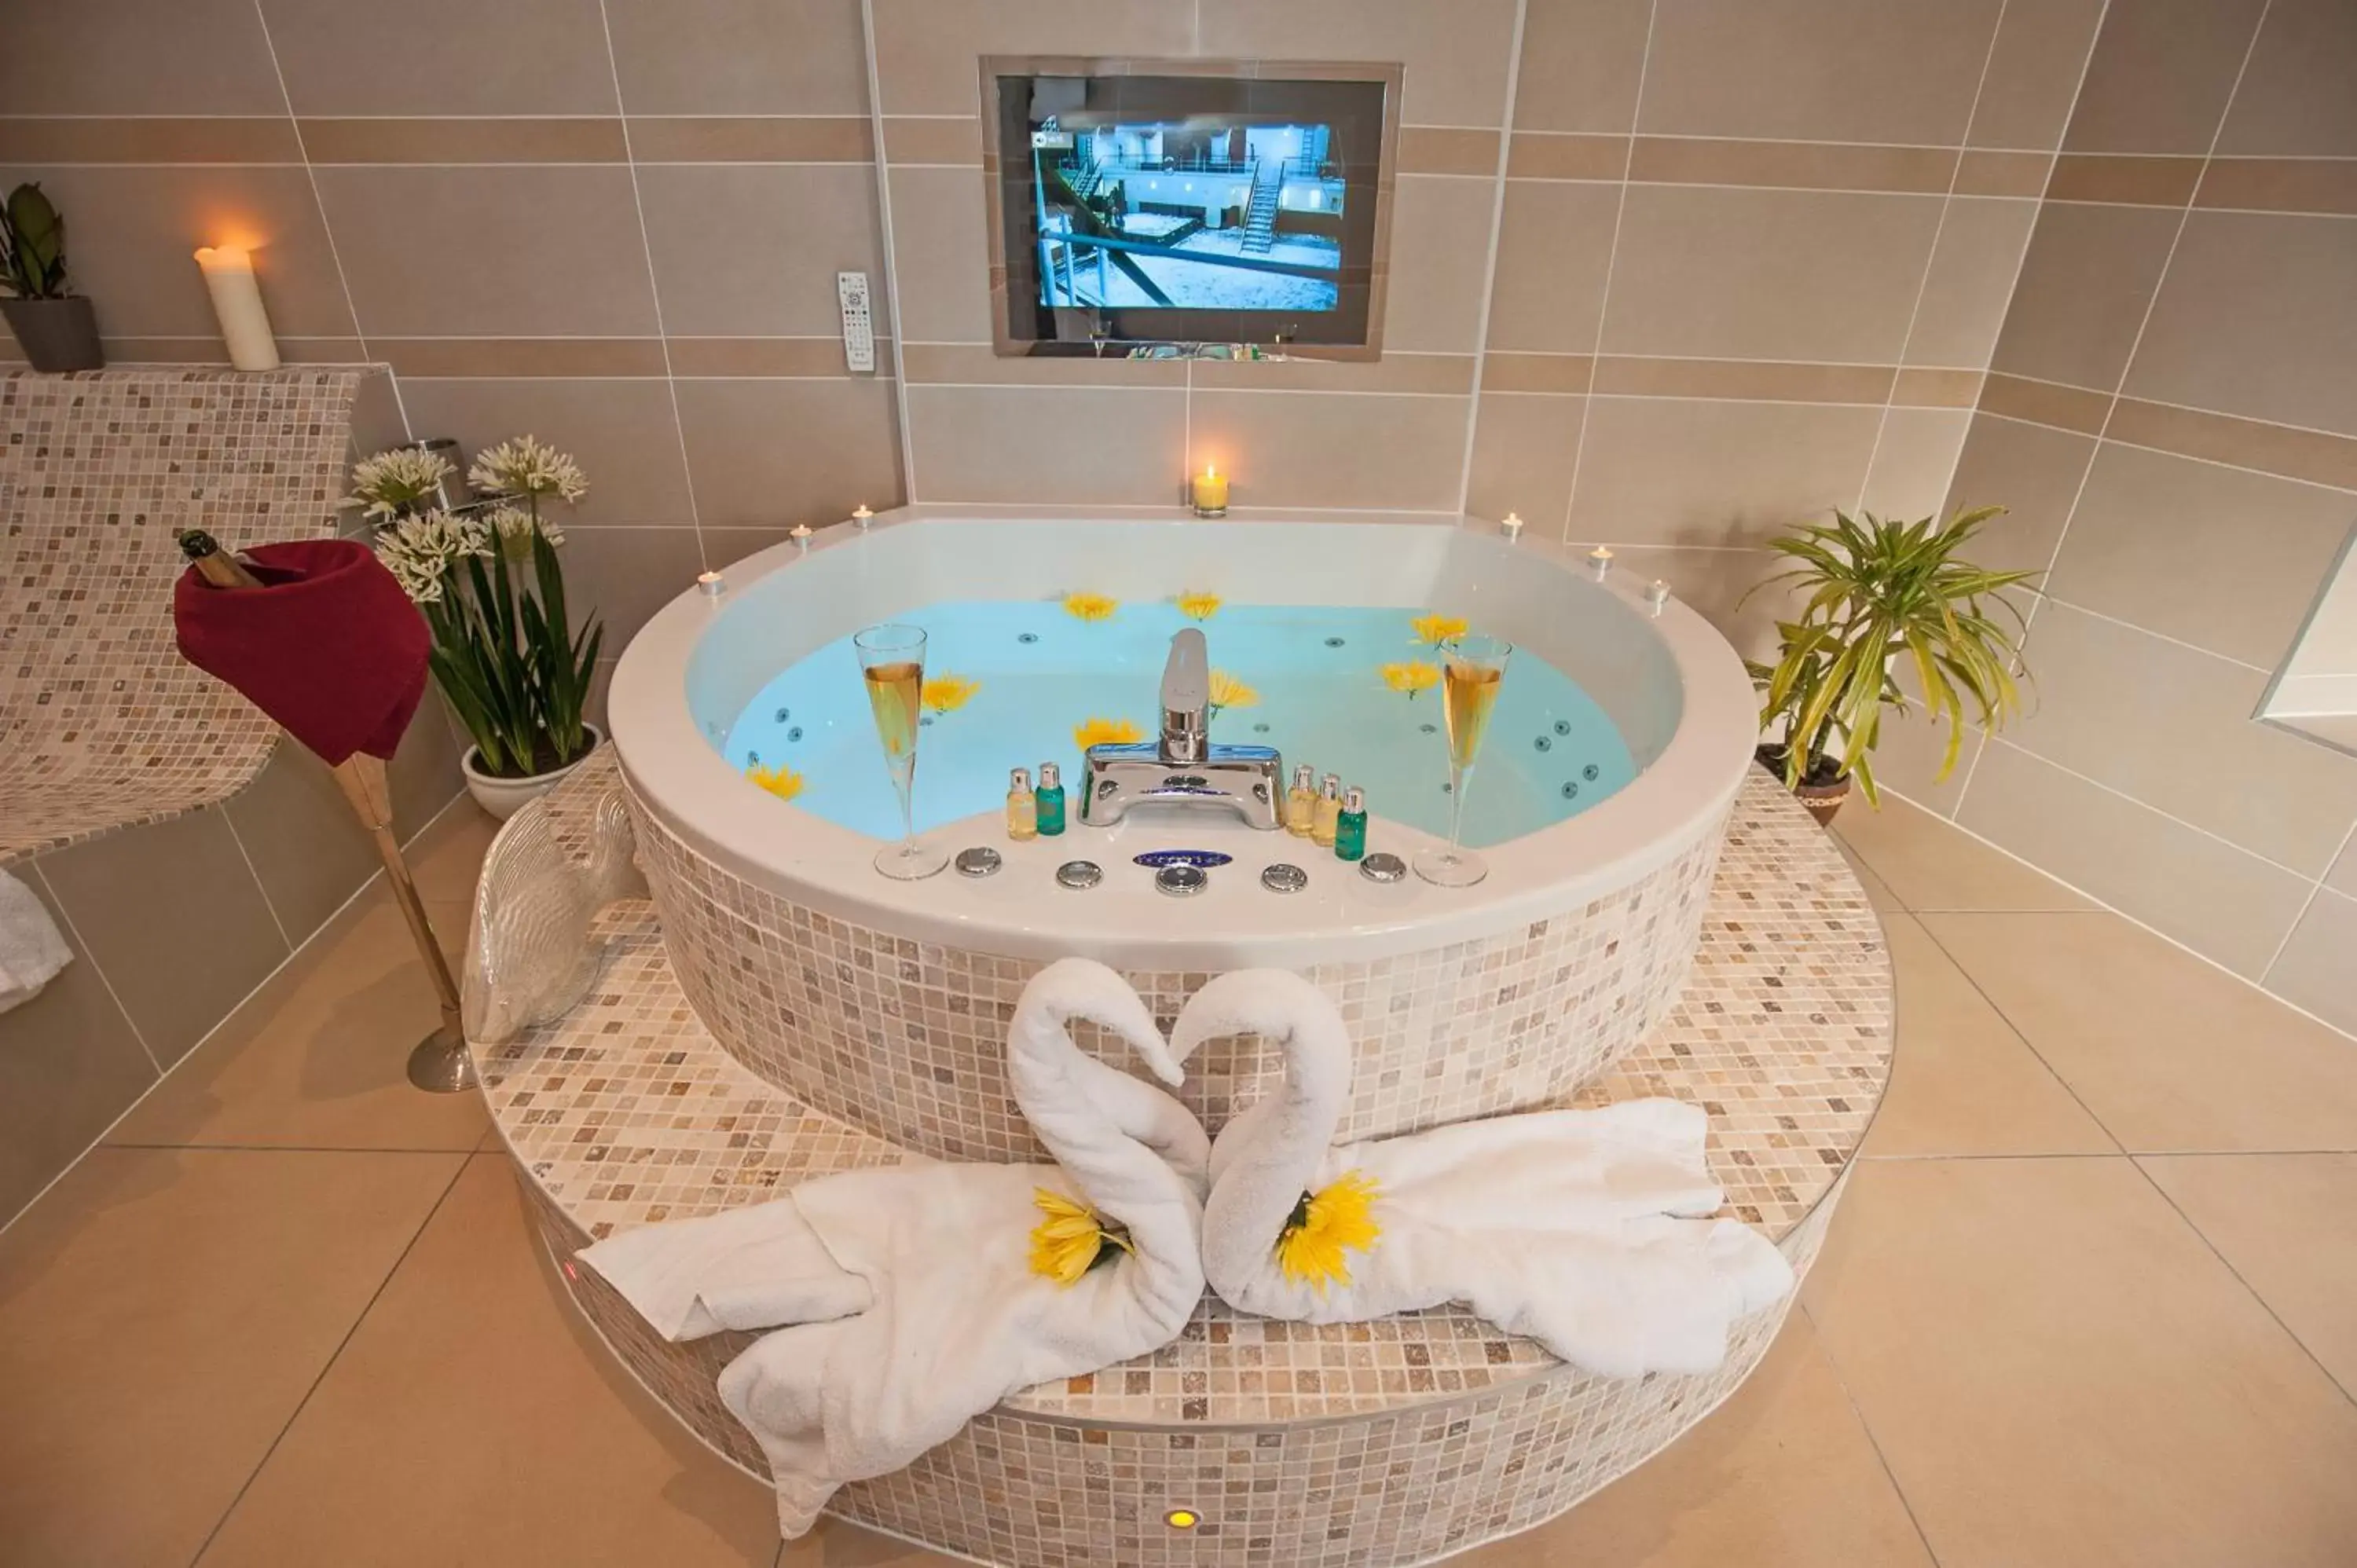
[[503, 798]]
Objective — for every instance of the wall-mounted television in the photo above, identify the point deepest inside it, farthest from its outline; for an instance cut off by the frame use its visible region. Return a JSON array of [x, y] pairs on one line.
[[1143, 202]]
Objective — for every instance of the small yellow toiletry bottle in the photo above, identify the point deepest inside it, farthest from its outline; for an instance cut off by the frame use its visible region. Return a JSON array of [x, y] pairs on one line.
[[1022, 806], [1301, 802], [1329, 810]]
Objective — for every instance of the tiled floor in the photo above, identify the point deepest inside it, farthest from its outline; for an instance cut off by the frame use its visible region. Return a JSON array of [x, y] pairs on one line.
[[2092, 1298]]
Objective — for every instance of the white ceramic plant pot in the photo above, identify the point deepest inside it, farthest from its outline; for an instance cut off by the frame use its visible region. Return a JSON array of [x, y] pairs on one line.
[[503, 798]]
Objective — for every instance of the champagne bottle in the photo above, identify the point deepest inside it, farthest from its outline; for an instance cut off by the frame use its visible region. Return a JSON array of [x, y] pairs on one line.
[[215, 566]]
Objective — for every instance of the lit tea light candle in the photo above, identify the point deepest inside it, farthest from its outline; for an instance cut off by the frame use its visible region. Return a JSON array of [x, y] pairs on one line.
[[862, 516], [800, 534], [237, 301], [1657, 594], [711, 584], [1601, 559], [1512, 526], [1211, 493]]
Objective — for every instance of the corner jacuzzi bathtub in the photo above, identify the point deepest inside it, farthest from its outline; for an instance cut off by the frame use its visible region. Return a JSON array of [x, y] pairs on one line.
[[884, 1003]]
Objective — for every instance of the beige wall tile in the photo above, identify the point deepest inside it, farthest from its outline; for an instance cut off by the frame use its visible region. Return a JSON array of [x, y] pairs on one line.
[[2295, 100], [1911, 763], [1914, 460], [423, 773], [123, 57], [1313, 449], [1440, 263], [723, 547], [2225, 560], [2256, 317], [1573, 373], [442, 56], [203, 139], [1525, 446], [1971, 280], [2033, 73], [2125, 1394], [625, 575], [2136, 181], [927, 50], [2085, 282], [1762, 380], [135, 228], [2031, 471], [1980, 173], [307, 848], [2266, 1215], [2220, 901], [580, 139], [973, 364], [578, 268], [752, 139], [1392, 373], [1932, 866], [753, 251], [532, 358], [1767, 274], [1554, 245], [1716, 584], [2173, 727], [775, 453], [739, 56], [1826, 71], [1918, 386], [171, 914], [1792, 166], [2050, 403], [69, 1064], [2344, 871], [1545, 155], [2171, 1054], [622, 433], [2322, 186], [1427, 149], [941, 255], [2308, 455], [1673, 471], [925, 140], [1581, 60], [760, 357], [2316, 968], [2160, 75], [1050, 445], [1456, 56]]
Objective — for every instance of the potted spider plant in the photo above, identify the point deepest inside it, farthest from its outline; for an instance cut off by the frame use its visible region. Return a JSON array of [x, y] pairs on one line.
[[56, 327], [491, 588], [1878, 596]]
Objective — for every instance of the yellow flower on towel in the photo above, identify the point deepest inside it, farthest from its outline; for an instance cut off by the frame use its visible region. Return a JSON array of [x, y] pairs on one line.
[[1412, 677], [1104, 732], [1072, 1238], [781, 781], [1326, 1225], [948, 693], [1090, 606], [1227, 692], [1199, 607], [1432, 630]]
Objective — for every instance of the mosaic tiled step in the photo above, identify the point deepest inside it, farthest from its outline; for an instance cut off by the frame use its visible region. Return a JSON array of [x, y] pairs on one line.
[[1386, 1443]]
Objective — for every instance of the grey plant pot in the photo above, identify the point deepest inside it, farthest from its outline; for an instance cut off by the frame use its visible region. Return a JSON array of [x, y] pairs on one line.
[[56, 334]]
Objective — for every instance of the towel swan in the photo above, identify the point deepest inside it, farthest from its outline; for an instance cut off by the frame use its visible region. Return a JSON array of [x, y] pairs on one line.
[[909, 1293], [1567, 1227]]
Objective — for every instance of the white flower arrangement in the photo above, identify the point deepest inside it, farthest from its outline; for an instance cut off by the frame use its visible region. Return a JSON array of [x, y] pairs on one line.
[[423, 549], [513, 527], [393, 483], [524, 466]]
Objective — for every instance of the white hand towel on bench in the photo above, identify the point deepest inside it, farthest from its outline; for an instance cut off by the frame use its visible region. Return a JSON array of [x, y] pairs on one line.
[[31, 950]]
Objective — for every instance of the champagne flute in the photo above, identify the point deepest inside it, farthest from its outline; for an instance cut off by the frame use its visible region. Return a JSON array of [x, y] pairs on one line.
[[892, 664], [1473, 669]]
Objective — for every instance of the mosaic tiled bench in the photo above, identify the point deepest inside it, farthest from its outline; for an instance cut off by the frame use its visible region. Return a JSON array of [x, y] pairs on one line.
[[1341, 1446]]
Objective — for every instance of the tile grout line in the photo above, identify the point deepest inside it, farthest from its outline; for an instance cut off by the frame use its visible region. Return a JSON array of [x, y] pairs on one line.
[[654, 289], [336, 1355], [1490, 274], [889, 262], [2306, 904], [278, 925], [1849, 1397], [129, 1022], [1931, 259], [319, 202], [1611, 263]]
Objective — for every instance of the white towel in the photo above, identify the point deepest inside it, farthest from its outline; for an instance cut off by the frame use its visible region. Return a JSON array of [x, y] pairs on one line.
[[1579, 1228], [31, 950], [908, 1289]]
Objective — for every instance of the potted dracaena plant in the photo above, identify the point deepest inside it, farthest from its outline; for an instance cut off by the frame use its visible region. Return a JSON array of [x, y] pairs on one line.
[[55, 326], [492, 591], [1879, 598]]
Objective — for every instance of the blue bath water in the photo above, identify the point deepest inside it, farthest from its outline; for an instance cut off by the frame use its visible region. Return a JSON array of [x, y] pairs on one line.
[[1318, 671]]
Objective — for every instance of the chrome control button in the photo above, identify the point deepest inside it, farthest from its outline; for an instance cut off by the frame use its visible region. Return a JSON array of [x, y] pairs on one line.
[[1379, 867], [1283, 878], [1181, 881], [980, 860], [1079, 874]]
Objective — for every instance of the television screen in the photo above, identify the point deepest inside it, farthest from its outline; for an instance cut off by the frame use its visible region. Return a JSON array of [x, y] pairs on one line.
[[1144, 208]]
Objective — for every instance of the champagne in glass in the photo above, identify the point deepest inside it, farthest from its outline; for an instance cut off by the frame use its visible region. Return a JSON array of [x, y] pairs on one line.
[[1473, 673], [892, 666]]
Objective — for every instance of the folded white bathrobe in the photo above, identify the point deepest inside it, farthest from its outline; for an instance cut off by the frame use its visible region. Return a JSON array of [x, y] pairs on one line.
[[1577, 1228], [31, 950], [910, 1287]]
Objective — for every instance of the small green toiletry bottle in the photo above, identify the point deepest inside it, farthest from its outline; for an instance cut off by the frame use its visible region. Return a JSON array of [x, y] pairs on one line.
[[1049, 798], [1350, 827]]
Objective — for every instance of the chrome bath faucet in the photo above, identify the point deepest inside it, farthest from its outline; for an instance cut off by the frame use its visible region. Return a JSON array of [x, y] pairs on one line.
[[1185, 767]]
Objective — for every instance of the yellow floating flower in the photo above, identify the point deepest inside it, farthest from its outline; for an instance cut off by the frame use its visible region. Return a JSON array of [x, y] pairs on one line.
[[1412, 677], [1104, 732], [948, 693], [781, 781], [1072, 1238], [1432, 630], [1227, 692], [1199, 607], [1090, 606], [1326, 1225]]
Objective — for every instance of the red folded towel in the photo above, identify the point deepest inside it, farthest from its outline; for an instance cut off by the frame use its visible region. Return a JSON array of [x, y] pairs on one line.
[[329, 646]]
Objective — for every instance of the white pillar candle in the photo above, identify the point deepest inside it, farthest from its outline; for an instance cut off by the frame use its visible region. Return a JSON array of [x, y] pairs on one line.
[[245, 326]]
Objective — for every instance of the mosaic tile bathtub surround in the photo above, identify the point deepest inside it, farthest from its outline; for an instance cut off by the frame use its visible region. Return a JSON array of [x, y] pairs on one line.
[[102, 724], [907, 1040], [1349, 1444]]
